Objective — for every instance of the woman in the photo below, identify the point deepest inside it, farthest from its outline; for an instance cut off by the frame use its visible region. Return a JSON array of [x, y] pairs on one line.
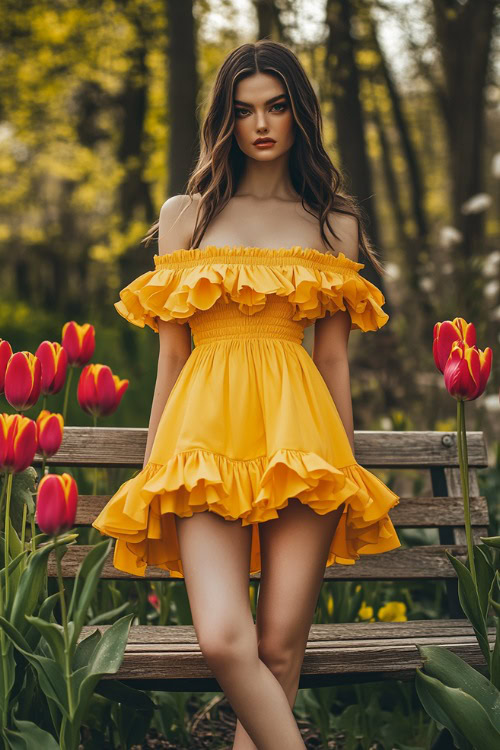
[[248, 425]]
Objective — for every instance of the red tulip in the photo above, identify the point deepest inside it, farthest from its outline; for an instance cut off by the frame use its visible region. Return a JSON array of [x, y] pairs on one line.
[[79, 342], [49, 428], [23, 380], [446, 333], [56, 503], [467, 371], [5, 355], [154, 601], [99, 391], [18, 442], [54, 364]]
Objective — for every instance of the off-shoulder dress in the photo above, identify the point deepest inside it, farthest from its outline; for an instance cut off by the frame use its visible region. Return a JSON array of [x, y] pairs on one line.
[[249, 422]]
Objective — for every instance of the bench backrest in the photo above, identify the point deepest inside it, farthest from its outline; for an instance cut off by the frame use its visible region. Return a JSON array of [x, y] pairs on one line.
[[442, 509]]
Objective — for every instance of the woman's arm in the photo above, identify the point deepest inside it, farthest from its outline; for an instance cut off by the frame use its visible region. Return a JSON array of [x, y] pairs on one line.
[[331, 333], [174, 338]]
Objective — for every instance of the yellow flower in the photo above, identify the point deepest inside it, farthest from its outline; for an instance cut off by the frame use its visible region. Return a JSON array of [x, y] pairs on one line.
[[393, 612], [329, 605], [358, 588], [251, 591], [366, 612]]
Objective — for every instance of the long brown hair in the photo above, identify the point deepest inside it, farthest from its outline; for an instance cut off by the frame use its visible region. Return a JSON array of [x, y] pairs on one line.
[[221, 161]]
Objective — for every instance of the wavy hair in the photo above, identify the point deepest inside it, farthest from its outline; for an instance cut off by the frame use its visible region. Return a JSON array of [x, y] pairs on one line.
[[221, 162]]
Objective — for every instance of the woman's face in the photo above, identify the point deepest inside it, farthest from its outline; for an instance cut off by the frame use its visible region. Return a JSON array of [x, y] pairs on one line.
[[262, 110]]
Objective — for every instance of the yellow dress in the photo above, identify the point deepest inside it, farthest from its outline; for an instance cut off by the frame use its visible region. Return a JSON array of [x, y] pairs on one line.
[[249, 422]]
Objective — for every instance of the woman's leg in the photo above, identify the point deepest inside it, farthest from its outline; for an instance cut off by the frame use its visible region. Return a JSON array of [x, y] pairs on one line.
[[294, 551], [215, 557]]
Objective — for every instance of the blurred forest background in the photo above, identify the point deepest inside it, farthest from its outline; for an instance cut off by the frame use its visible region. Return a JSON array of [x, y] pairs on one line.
[[100, 107]]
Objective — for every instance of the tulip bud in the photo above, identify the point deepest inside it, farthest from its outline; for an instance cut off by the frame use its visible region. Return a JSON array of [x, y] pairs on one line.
[[446, 333], [23, 380], [18, 442], [467, 371], [49, 432], [54, 362], [5, 355], [79, 342], [99, 391], [56, 504]]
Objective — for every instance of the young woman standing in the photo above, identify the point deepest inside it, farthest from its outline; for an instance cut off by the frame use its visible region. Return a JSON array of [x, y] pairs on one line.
[[247, 425]]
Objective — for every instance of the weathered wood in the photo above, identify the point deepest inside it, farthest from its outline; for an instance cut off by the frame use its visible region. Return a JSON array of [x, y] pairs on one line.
[[125, 447], [334, 652], [429, 512], [427, 562]]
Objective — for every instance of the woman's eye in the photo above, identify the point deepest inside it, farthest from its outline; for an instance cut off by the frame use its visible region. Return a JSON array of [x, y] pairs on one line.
[[241, 112]]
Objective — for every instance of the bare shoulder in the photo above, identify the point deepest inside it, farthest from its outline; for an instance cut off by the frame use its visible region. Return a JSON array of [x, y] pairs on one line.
[[346, 228], [176, 222]]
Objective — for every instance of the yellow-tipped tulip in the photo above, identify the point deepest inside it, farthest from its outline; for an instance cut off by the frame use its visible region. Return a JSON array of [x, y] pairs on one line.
[[56, 504], [5, 355], [49, 428], [79, 342], [446, 333], [18, 442], [99, 391], [54, 365], [23, 380], [467, 371]]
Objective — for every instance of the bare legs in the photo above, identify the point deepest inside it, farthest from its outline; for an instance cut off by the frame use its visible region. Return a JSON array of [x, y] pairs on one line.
[[216, 557], [257, 668], [294, 550]]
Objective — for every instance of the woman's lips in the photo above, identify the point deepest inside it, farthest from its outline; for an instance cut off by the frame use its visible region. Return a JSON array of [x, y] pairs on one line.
[[264, 144]]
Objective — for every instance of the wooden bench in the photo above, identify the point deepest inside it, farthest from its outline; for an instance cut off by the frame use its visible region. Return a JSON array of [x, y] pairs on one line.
[[169, 658]]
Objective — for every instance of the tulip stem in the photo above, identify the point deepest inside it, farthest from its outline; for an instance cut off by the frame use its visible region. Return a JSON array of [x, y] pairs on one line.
[[67, 655], [66, 393], [94, 491], [3, 646], [464, 475], [2, 496], [7, 536]]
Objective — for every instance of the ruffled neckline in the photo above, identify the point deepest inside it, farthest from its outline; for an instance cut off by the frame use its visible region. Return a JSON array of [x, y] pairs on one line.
[[246, 254]]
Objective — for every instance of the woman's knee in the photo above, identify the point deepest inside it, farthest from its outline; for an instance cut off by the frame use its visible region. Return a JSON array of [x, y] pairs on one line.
[[224, 642], [283, 659]]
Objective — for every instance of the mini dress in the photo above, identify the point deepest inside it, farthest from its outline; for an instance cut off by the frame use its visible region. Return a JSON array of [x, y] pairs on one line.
[[249, 422]]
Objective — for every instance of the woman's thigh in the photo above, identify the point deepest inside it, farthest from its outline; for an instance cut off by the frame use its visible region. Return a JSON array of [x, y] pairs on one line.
[[215, 557], [294, 550]]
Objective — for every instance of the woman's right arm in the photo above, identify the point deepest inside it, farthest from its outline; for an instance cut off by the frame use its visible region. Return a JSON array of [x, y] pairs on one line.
[[174, 232]]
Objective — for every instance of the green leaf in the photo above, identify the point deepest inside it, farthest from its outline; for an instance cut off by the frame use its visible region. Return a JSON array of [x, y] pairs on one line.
[[106, 659], [462, 714], [86, 581], [105, 617], [31, 584], [484, 575], [35, 736], [452, 671], [495, 657], [16, 637], [53, 634], [85, 648], [50, 676], [469, 601], [491, 541], [118, 691], [7, 675], [12, 566]]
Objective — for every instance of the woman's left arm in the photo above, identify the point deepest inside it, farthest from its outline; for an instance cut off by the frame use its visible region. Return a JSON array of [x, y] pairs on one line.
[[330, 356], [331, 333]]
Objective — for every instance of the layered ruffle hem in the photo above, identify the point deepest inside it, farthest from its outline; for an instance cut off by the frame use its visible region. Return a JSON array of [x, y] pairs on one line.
[[249, 423]]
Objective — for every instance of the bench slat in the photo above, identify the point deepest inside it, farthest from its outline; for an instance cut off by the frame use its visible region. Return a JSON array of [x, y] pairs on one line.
[[125, 447], [328, 658], [427, 562]]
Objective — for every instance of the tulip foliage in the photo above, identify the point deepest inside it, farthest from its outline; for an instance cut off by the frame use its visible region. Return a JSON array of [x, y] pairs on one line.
[[31, 639], [451, 691]]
